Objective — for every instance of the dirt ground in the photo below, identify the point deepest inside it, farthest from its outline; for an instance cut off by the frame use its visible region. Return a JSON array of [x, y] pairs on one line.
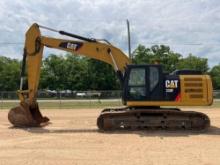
[[73, 138]]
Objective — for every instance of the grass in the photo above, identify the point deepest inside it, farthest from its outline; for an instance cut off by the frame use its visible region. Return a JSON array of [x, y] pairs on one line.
[[67, 104], [80, 104], [216, 104]]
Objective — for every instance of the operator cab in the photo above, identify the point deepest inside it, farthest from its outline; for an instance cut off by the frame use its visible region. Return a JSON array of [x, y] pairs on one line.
[[149, 83]]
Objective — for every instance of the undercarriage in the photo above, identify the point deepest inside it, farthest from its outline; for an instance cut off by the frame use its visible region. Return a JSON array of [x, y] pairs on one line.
[[134, 118]]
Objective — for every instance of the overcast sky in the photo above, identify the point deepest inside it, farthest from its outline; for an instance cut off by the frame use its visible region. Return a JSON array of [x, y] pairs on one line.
[[187, 26]]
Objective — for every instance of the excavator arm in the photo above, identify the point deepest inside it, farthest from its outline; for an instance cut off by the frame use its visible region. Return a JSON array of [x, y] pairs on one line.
[[28, 111]]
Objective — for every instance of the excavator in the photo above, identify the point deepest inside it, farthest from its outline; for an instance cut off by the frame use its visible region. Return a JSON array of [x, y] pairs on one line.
[[149, 94]]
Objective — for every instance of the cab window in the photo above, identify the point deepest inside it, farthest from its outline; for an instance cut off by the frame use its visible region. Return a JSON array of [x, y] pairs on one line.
[[154, 77], [136, 84]]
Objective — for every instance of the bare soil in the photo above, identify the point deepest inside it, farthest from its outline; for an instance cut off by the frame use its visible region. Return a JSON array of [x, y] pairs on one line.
[[73, 138]]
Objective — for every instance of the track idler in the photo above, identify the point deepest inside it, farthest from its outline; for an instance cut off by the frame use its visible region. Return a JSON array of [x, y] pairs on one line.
[[26, 116]]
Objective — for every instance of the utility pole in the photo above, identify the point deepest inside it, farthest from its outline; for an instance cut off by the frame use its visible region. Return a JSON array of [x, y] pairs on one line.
[[129, 39]]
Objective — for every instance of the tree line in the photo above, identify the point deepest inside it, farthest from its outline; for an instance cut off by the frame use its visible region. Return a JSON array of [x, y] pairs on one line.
[[74, 72]]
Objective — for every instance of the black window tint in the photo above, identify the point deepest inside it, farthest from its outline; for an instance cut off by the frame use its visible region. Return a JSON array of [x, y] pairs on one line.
[[137, 77], [137, 92], [136, 83], [154, 77]]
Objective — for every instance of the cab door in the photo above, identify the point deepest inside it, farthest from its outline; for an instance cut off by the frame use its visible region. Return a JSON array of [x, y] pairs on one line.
[[143, 83], [156, 82], [137, 87]]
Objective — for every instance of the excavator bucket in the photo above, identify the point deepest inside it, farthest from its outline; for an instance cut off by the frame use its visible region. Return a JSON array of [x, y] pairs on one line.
[[25, 116]]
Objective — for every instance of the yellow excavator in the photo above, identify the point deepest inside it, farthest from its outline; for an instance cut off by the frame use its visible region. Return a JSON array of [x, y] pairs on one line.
[[146, 89]]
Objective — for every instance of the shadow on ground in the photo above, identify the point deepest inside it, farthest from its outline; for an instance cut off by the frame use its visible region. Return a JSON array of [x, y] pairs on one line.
[[213, 130]]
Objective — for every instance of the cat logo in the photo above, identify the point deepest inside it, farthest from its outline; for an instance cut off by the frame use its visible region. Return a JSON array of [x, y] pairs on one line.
[[71, 45], [171, 83]]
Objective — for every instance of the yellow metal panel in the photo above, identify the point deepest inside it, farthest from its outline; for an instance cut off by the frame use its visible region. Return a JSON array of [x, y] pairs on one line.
[[209, 90], [166, 103], [34, 58], [95, 50], [195, 89]]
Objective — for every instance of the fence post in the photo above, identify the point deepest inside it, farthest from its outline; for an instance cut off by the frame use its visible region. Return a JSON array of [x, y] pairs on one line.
[[90, 101], [1, 100], [60, 100]]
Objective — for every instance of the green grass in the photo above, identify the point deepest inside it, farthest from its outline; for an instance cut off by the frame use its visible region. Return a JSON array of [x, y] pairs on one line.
[[74, 105], [81, 104], [216, 104], [67, 104]]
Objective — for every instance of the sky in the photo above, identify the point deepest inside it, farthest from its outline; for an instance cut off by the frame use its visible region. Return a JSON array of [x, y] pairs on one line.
[[187, 26]]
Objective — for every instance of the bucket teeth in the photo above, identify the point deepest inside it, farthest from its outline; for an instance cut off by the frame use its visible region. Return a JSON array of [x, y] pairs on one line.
[[25, 116]]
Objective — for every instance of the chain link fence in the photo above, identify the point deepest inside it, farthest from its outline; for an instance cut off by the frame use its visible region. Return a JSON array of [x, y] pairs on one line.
[[72, 99], [216, 94], [66, 99]]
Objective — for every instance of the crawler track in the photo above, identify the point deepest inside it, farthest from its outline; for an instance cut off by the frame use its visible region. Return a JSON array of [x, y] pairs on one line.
[[151, 118]]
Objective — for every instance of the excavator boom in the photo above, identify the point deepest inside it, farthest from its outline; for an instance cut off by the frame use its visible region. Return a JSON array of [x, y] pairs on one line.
[[28, 114]]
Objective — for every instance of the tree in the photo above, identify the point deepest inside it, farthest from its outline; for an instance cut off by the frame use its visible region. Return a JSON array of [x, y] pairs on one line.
[[166, 57], [53, 73], [101, 76], [142, 55], [215, 74], [76, 73], [194, 62], [77, 69], [63, 72], [9, 74], [161, 54], [80, 73]]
